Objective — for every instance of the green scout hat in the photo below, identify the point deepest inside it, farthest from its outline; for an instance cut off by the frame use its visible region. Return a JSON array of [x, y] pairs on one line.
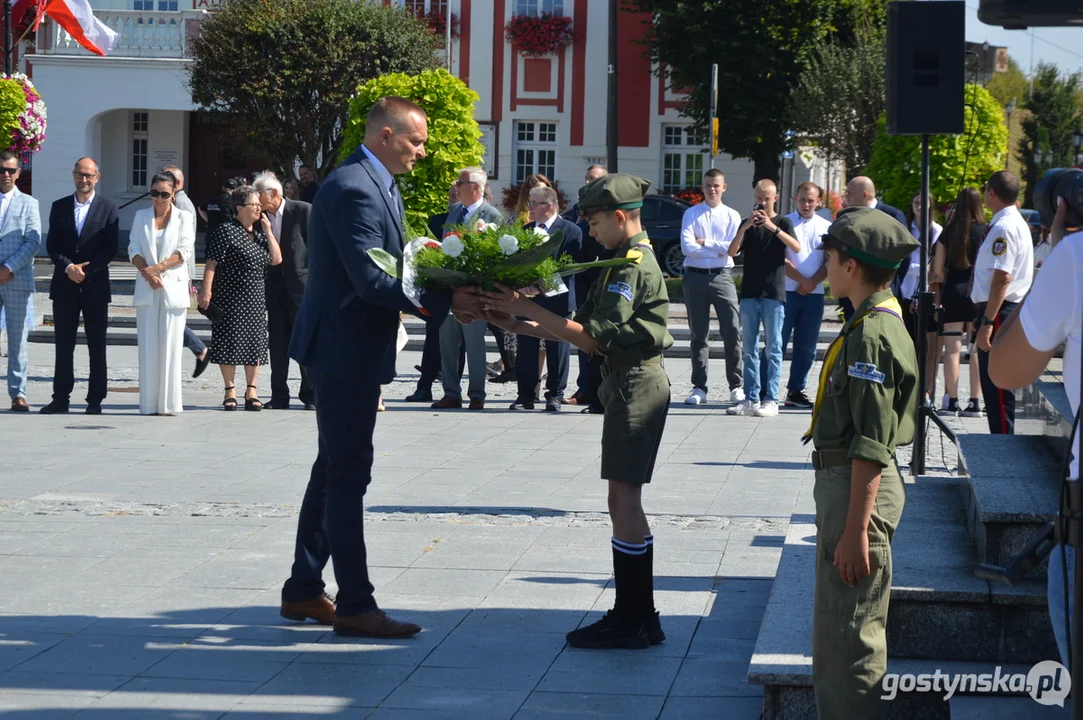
[[873, 236], [613, 192]]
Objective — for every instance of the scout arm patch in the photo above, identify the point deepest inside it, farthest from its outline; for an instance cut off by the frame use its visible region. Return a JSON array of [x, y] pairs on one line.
[[866, 371], [999, 247], [621, 288]]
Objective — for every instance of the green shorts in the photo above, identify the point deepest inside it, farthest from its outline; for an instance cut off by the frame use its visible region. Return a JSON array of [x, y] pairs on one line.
[[636, 400]]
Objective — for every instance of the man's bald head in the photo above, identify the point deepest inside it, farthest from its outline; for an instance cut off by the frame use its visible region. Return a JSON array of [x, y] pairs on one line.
[[860, 192], [767, 185]]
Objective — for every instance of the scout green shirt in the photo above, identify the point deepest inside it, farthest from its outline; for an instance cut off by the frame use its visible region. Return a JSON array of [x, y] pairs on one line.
[[870, 406], [627, 308]]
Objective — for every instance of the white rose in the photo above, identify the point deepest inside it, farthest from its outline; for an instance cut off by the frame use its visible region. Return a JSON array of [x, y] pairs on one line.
[[509, 244], [452, 246], [480, 225], [540, 231], [490, 226]]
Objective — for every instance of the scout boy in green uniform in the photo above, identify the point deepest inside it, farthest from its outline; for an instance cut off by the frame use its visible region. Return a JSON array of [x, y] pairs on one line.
[[624, 320], [865, 408]]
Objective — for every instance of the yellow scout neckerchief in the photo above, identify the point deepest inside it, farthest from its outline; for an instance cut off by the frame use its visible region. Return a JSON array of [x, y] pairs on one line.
[[891, 305], [639, 240]]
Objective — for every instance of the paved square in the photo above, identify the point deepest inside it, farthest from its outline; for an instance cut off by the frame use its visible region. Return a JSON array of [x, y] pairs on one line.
[[142, 559]]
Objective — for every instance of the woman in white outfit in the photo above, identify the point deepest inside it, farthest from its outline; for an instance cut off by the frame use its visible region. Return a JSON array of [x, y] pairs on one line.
[[162, 240]]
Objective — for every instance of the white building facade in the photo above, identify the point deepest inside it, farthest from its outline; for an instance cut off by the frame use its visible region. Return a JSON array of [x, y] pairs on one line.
[[133, 110]]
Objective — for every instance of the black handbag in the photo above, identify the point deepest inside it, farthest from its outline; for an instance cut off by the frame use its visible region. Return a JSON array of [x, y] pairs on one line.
[[212, 312]]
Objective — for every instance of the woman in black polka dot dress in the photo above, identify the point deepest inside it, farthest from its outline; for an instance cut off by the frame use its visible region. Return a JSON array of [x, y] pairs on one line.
[[238, 253]]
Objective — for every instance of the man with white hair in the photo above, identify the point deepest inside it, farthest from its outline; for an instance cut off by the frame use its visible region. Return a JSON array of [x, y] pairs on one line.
[[285, 286], [470, 208]]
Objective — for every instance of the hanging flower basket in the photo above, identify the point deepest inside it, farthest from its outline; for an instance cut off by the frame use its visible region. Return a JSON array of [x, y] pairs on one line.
[[22, 115], [437, 22], [544, 34]]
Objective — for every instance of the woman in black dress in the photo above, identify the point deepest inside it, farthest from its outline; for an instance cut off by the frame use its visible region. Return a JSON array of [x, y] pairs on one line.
[[238, 253], [953, 266]]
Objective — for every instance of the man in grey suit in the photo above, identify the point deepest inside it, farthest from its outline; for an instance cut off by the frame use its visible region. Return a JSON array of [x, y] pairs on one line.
[[20, 238], [344, 337], [471, 209], [285, 286]]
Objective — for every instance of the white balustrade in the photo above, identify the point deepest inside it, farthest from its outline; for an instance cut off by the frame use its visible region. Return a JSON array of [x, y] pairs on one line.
[[140, 34]]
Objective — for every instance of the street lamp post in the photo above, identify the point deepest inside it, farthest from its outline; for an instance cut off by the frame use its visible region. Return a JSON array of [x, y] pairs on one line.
[[1010, 107]]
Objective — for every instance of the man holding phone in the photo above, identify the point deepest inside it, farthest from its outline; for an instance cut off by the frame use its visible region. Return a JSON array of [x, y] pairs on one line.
[[763, 239]]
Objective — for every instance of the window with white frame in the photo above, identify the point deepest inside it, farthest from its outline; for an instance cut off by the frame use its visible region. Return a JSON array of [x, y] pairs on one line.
[[140, 134], [421, 7], [537, 7], [535, 149], [684, 150], [152, 5]]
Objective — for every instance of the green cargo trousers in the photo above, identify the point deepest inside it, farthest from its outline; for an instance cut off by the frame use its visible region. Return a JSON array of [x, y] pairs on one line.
[[849, 627]]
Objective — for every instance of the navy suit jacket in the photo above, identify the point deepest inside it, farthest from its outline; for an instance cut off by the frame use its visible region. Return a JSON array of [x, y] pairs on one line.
[[896, 284], [96, 244], [570, 244], [348, 321], [893, 212]]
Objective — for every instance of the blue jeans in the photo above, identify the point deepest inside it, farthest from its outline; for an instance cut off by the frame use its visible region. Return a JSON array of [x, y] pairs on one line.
[[192, 342], [1056, 597], [772, 314], [804, 315]]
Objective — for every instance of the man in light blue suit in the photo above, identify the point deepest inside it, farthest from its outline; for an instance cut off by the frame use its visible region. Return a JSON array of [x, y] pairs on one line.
[[20, 237], [344, 337]]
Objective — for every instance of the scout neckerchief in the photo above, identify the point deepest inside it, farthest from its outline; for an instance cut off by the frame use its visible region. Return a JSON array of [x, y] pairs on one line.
[[639, 242], [890, 306]]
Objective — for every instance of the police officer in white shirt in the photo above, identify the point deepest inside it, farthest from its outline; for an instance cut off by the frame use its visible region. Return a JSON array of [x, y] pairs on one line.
[[1051, 315], [805, 274], [1003, 273], [707, 230]]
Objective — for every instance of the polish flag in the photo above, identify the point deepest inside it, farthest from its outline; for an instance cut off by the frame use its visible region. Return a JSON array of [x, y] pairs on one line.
[[75, 16]]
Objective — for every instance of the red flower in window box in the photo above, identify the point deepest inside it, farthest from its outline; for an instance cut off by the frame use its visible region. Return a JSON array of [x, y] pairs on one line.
[[437, 22], [693, 195], [545, 34]]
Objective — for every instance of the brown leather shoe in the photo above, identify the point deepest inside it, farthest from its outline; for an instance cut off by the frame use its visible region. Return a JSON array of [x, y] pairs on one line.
[[321, 609], [477, 404], [19, 405], [447, 403], [376, 624]]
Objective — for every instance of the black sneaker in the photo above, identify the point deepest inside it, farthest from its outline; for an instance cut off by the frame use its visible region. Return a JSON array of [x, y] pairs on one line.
[[610, 633], [653, 626], [798, 399], [951, 409], [972, 409]]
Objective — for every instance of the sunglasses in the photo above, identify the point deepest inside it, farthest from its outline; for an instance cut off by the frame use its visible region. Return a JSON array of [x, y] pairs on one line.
[[9, 171], [160, 194]]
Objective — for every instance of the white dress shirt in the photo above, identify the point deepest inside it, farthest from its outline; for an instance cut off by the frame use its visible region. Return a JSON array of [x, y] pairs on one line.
[[807, 231], [717, 226], [913, 273], [276, 220], [471, 209], [547, 226], [1008, 246], [82, 209]]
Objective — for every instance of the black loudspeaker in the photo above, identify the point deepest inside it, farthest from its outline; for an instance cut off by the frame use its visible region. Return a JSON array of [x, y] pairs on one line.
[[1019, 14], [926, 67]]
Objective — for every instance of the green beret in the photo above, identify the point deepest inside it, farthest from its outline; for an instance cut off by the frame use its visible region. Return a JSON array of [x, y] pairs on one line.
[[873, 236], [613, 192]]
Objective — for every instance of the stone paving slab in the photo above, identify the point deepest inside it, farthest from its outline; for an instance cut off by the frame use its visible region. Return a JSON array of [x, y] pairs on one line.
[[145, 557]]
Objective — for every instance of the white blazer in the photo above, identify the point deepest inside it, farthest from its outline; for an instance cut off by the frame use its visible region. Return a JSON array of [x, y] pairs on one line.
[[180, 235]]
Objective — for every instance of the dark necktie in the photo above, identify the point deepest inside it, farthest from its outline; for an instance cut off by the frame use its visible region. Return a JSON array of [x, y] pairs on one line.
[[397, 199]]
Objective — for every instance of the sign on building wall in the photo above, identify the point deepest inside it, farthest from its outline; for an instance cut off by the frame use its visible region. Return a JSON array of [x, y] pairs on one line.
[[490, 139], [205, 4], [166, 157]]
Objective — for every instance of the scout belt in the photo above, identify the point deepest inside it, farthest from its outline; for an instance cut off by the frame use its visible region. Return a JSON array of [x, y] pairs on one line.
[[824, 459], [623, 361]]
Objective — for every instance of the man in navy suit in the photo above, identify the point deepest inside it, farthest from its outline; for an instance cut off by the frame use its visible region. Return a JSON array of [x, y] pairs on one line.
[[344, 336], [544, 210], [82, 241], [861, 192]]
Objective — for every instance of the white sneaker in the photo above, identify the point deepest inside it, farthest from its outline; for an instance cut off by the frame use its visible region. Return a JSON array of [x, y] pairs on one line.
[[945, 402], [768, 408], [745, 407], [698, 397], [737, 395]]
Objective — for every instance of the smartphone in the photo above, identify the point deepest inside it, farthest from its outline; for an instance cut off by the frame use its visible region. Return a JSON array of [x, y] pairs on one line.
[[757, 206]]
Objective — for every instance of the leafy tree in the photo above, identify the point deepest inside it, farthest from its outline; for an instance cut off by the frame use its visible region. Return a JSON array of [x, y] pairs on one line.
[[1008, 86], [761, 47], [453, 136], [1055, 115], [840, 96], [286, 69], [955, 161]]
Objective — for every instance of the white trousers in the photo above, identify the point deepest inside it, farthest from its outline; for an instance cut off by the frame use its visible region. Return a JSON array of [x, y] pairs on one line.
[[161, 345]]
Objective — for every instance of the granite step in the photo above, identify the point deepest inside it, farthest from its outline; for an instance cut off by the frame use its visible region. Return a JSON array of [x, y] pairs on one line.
[[941, 616]]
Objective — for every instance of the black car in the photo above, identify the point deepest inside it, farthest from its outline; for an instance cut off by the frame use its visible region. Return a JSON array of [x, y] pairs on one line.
[[661, 217]]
